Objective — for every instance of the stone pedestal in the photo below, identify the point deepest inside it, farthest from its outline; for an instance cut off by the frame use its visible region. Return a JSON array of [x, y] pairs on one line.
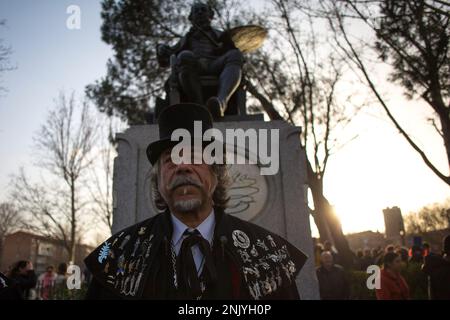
[[276, 202]]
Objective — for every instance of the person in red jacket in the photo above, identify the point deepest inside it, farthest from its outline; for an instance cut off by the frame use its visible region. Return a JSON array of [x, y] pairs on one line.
[[393, 285]]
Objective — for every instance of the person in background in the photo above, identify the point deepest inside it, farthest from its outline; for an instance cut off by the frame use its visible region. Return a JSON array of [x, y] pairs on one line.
[[427, 250], [393, 286], [358, 260], [59, 291], [411, 272], [416, 254], [403, 253], [377, 256], [46, 283], [318, 249], [22, 277], [367, 260], [437, 268], [61, 274], [328, 246], [333, 283]]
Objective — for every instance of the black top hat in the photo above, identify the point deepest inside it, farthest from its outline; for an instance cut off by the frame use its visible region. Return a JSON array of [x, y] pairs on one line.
[[177, 116]]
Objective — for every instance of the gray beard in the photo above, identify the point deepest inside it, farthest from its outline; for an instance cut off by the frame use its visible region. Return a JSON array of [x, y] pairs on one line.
[[187, 205]]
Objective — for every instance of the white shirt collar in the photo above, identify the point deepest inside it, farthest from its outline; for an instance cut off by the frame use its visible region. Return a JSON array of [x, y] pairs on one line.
[[206, 228]]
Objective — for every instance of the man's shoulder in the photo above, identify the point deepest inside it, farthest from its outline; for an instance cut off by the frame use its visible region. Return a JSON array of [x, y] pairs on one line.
[[7, 290], [128, 231], [110, 257], [268, 260], [257, 232], [335, 268], [434, 262], [249, 227]]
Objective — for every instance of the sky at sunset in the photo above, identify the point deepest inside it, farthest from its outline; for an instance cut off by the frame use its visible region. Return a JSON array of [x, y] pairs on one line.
[[376, 170]]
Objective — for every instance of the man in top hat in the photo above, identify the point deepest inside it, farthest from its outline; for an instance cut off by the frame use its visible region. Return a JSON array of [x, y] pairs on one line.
[[192, 249], [205, 50]]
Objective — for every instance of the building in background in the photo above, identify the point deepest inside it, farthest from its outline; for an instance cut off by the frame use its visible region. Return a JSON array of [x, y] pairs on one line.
[[369, 240], [41, 251], [394, 227], [366, 240]]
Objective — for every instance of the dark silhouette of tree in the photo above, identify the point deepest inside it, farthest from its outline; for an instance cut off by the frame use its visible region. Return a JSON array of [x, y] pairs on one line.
[[296, 77], [413, 37], [134, 78], [429, 218], [100, 179], [5, 53]]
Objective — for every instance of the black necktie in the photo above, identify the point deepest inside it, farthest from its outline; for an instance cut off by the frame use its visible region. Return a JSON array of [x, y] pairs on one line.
[[188, 279]]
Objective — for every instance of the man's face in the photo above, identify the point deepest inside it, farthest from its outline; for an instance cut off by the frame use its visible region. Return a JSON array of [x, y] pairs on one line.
[[327, 260], [185, 187], [200, 15]]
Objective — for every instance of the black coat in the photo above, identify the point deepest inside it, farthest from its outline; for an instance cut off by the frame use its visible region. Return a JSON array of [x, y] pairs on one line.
[[251, 262], [333, 283], [438, 269], [17, 287], [7, 289]]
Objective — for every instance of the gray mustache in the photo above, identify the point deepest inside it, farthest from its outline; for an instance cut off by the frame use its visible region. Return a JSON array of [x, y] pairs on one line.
[[183, 180]]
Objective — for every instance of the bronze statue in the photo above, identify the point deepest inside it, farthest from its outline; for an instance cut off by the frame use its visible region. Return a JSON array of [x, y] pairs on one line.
[[205, 50]]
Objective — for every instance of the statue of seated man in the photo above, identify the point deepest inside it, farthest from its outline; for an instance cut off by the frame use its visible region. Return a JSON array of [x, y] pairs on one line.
[[205, 51]]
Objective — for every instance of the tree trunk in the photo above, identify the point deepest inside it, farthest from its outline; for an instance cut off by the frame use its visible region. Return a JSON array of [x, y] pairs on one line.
[[340, 241], [327, 222], [2, 239], [73, 222], [321, 224]]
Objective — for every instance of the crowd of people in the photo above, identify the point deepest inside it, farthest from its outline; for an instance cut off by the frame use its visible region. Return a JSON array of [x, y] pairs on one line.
[[414, 273], [405, 273], [27, 285]]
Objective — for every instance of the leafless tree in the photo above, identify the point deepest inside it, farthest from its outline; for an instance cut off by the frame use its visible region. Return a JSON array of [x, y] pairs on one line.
[[10, 221], [63, 148], [296, 77], [413, 38], [5, 53], [100, 179]]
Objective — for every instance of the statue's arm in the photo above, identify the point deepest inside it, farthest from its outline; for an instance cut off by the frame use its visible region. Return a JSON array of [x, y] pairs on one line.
[[225, 40], [164, 51]]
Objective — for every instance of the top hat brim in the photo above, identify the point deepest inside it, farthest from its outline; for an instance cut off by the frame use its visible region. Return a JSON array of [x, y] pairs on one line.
[[155, 149]]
